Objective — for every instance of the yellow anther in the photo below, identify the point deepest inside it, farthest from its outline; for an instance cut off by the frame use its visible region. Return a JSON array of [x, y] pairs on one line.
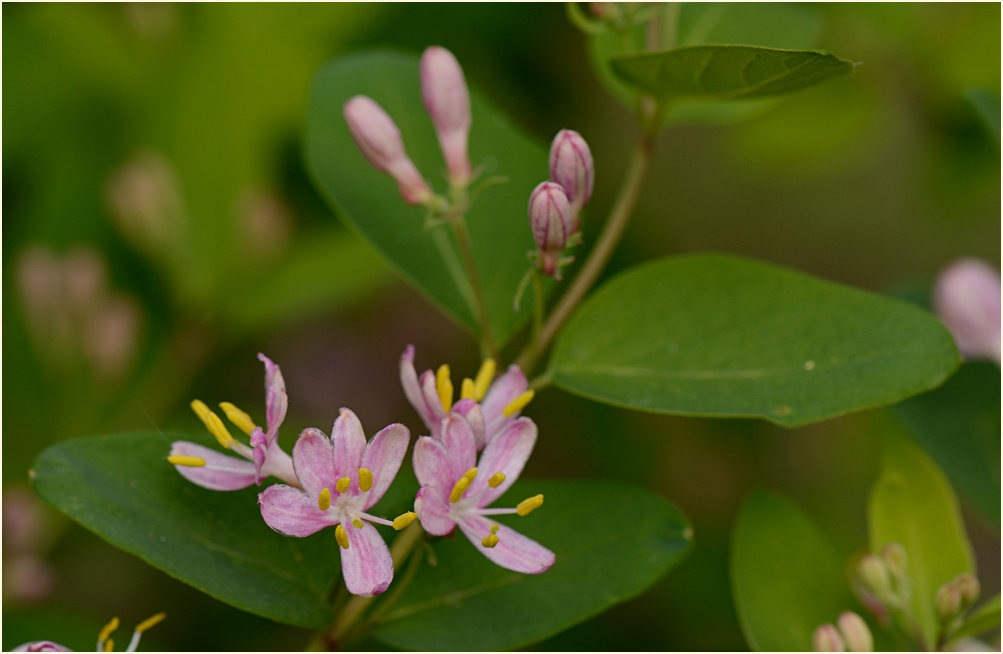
[[518, 404], [404, 519], [529, 505], [190, 461], [109, 645], [470, 474], [151, 621], [238, 417], [467, 389], [324, 499], [342, 484], [341, 536], [212, 423], [495, 527], [490, 540], [495, 480], [108, 628], [461, 486], [200, 409], [483, 379], [444, 387], [357, 523], [365, 479]]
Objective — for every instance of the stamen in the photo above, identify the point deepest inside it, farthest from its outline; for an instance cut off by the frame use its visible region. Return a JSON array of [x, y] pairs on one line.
[[341, 536], [200, 409], [151, 621], [483, 379], [238, 417], [109, 645], [212, 423], [444, 387], [357, 523], [108, 629], [404, 519], [461, 486], [467, 389], [324, 499], [342, 484], [496, 480], [529, 505], [190, 461], [495, 527], [470, 474], [518, 404], [490, 540], [365, 479]]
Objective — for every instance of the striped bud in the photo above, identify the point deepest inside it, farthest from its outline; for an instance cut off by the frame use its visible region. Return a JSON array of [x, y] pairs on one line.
[[967, 300], [827, 639], [550, 220], [571, 166], [856, 634], [447, 101]]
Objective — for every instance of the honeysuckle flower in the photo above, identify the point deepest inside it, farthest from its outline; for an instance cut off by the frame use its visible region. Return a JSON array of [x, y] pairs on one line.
[[456, 490], [966, 298], [488, 407], [447, 100], [105, 643], [572, 167], [550, 221], [340, 478], [263, 458]]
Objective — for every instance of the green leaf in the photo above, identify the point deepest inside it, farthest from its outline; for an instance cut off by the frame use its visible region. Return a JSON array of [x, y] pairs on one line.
[[913, 505], [727, 71], [121, 487], [981, 620], [718, 335], [612, 541], [368, 199], [786, 576]]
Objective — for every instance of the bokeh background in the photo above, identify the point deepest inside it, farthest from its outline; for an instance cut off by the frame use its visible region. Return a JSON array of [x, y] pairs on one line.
[[160, 229]]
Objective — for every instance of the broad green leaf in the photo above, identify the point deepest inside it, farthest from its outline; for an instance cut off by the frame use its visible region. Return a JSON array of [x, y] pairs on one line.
[[368, 199], [786, 576], [982, 619], [612, 541], [718, 335], [959, 425], [912, 504], [121, 487], [727, 71]]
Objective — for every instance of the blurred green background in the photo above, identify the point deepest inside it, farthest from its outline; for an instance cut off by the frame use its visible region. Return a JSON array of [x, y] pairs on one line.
[[160, 229]]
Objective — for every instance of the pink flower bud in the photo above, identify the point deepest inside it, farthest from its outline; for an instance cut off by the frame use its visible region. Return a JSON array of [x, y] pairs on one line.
[[827, 639], [571, 166], [380, 141], [967, 299], [550, 220], [448, 103], [856, 634], [947, 602], [968, 587]]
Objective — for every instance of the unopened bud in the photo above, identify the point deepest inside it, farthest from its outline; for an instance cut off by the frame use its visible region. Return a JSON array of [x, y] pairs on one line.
[[571, 166], [874, 573], [827, 639], [896, 560], [447, 101], [856, 634], [947, 603], [550, 219], [380, 141], [967, 299], [969, 588]]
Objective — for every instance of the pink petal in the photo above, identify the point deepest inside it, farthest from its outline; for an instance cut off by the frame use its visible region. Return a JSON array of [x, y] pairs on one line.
[[513, 551], [260, 444], [506, 453], [235, 473], [313, 461], [383, 457], [431, 464], [505, 389], [433, 405], [349, 445], [292, 512], [409, 381], [458, 439], [432, 508], [41, 646], [276, 401], [471, 410], [366, 564]]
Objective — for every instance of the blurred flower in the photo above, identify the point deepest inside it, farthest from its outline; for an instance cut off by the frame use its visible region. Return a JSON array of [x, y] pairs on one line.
[[105, 643], [340, 479], [447, 101], [966, 297], [856, 634], [144, 198], [210, 469], [27, 576], [827, 639], [264, 223], [454, 492]]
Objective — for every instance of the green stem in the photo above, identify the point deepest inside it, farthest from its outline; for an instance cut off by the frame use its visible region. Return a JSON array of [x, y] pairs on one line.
[[463, 240]]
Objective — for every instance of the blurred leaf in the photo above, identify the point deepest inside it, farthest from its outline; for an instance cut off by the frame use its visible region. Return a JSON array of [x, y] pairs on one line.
[[468, 603], [987, 105], [913, 505], [727, 71], [718, 335], [959, 425], [121, 487], [786, 576], [981, 620], [368, 199]]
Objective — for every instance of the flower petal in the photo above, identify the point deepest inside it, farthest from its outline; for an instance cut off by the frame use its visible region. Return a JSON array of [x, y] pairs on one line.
[[313, 461], [383, 457], [432, 508], [221, 472], [276, 400], [431, 464], [412, 389], [471, 410], [432, 403], [513, 551], [292, 512], [259, 443], [458, 439], [349, 445], [41, 646], [505, 389], [366, 564], [506, 453]]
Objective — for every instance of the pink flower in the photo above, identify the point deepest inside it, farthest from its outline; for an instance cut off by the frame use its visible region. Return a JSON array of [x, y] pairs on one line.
[[339, 480], [488, 407], [210, 469], [967, 299], [455, 492], [105, 644], [447, 101]]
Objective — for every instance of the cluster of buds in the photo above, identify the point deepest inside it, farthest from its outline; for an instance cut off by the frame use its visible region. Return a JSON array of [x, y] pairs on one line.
[[447, 101], [883, 581], [955, 597], [966, 298], [849, 634], [555, 206]]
